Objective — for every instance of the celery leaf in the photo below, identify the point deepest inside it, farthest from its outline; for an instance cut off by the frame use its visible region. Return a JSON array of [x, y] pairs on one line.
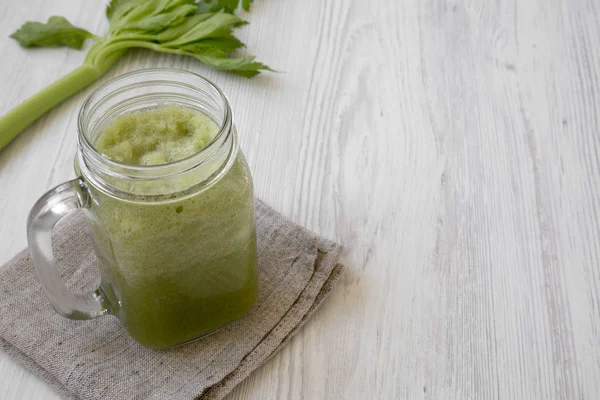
[[56, 32]]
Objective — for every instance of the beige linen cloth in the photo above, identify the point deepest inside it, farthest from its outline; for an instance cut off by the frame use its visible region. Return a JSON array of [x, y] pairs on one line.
[[96, 359]]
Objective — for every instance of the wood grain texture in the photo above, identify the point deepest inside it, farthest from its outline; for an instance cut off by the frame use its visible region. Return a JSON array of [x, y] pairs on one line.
[[453, 147]]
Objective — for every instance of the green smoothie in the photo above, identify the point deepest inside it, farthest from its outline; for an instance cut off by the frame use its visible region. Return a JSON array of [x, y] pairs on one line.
[[177, 269]]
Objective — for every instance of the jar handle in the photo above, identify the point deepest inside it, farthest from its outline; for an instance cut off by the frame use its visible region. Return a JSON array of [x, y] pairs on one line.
[[44, 215]]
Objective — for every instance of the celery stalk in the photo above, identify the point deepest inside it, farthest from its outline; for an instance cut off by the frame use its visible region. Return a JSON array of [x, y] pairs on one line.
[[202, 29], [20, 117]]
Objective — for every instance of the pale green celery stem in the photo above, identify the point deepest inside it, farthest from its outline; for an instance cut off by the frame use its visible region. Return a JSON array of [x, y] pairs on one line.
[[118, 44], [20, 117]]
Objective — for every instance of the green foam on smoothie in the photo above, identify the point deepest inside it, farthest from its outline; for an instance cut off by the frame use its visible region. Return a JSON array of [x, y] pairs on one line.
[[156, 136]]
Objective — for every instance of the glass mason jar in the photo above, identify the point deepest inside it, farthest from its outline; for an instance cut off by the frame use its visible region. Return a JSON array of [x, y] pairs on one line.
[[176, 243]]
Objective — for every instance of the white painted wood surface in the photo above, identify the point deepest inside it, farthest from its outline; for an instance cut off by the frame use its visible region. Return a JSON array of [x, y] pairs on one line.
[[453, 147]]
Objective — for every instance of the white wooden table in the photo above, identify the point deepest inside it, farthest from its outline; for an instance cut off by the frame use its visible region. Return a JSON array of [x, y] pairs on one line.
[[453, 147]]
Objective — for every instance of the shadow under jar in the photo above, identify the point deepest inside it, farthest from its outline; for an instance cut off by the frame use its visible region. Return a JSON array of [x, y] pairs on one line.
[[176, 243]]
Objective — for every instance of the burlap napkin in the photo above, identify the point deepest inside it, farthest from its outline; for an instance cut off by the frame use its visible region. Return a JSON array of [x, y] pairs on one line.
[[97, 359]]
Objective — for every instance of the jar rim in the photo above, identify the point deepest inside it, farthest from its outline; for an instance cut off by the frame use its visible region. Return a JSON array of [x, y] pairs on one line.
[[199, 170], [187, 162]]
